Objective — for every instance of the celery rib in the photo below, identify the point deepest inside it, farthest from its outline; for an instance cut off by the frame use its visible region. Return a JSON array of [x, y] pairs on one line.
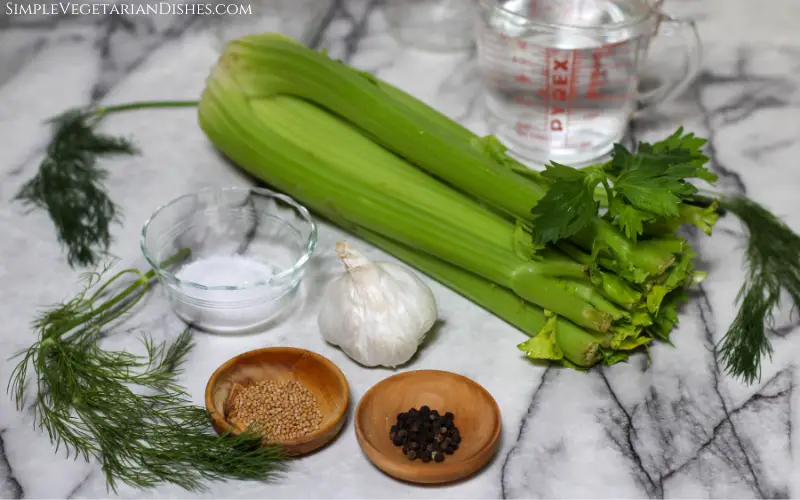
[[300, 151], [424, 136]]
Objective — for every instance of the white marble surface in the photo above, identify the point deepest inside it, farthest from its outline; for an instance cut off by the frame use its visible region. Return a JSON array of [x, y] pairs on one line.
[[675, 428]]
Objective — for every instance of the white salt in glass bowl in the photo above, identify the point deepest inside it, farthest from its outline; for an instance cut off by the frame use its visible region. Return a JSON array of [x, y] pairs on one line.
[[247, 253]]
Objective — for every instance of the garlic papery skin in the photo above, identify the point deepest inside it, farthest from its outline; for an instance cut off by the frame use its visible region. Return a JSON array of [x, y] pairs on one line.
[[378, 313]]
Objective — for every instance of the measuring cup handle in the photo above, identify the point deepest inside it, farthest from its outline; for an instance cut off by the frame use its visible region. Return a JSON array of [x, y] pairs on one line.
[[693, 48]]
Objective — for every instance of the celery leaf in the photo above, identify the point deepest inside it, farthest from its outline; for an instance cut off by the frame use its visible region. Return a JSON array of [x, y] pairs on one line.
[[544, 345], [650, 184], [655, 178], [688, 142], [629, 219], [612, 357], [569, 203]]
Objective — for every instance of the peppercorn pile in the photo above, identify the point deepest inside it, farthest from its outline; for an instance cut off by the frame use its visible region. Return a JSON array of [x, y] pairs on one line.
[[425, 434], [279, 411]]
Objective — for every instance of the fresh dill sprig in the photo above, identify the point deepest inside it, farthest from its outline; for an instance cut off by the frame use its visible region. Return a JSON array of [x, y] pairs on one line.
[[126, 410], [773, 267], [69, 183]]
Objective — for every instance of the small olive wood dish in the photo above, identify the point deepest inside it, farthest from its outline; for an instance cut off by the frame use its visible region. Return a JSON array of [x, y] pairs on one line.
[[477, 417], [283, 364]]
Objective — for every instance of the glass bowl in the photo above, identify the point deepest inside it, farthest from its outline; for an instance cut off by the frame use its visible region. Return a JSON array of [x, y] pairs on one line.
[[248, 250]]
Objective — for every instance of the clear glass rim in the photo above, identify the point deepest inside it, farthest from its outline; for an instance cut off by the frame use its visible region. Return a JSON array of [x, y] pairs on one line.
[[310, 243], [649, 13]]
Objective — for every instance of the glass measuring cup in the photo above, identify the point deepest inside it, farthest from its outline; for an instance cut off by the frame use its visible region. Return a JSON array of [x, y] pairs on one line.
[[561, 77]]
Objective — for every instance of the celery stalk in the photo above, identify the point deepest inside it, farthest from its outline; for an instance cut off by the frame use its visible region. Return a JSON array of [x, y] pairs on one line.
[[331, 167], [269, 65], [585, 290], [579, 346]]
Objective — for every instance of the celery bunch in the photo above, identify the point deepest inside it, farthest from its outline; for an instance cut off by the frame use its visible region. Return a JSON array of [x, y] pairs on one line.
[[397, 173]]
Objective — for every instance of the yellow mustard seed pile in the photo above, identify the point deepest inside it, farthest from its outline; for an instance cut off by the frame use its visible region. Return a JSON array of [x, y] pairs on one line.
[[280, 411]]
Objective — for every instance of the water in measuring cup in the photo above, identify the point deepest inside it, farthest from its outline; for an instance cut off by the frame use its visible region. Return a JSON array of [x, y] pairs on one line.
[[560, 94]]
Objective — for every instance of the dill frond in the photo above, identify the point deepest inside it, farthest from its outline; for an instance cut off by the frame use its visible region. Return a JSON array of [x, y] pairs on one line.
[[127, 410], [69, 184], [773, 268]]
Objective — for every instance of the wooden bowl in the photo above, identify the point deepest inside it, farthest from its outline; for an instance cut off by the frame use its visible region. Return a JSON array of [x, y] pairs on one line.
[[323, 378], [477, 417]]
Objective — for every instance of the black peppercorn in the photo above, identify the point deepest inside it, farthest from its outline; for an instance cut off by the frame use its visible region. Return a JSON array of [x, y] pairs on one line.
[[425, 434]]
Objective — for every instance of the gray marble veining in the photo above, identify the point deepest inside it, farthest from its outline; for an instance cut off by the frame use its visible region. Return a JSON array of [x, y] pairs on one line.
[[674, 427]]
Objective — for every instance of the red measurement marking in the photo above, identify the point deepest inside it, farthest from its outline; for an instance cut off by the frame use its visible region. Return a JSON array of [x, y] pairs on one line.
[[573, 93], [523, 79], [591, 116], [522, 129], [522, 61], [522, 44], [527, 102], [597, 76], [619, 49], [545, 90], [585, 145]]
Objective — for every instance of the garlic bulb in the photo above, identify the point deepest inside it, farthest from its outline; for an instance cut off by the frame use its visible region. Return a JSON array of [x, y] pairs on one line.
[[377, 312]]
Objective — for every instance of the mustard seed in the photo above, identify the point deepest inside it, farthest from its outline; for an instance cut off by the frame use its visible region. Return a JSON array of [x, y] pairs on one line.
[[280, 411]]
